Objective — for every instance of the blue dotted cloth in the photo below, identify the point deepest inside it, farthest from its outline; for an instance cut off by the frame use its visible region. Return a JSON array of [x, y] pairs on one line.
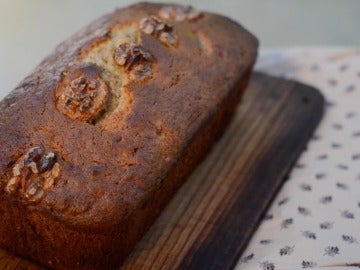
[[314, 223]]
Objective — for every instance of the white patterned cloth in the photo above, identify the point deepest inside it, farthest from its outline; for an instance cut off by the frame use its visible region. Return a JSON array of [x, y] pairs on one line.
[[314, 222]]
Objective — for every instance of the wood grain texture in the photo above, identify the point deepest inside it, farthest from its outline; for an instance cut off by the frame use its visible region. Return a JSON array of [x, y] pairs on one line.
[[212, 217]]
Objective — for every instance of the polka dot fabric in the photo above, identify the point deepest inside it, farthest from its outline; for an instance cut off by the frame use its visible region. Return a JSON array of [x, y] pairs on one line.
[[314, 222]]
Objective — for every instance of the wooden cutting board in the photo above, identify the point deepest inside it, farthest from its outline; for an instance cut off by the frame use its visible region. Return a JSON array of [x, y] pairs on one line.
[[213, 216]]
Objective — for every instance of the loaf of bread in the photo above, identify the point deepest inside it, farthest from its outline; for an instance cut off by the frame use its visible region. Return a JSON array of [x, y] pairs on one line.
[[94, 143]]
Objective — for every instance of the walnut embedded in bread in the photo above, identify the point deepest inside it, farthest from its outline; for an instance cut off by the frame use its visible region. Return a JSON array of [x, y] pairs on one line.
[[34, 173], [179, 13], [135, 59], [159, 29], [82, 93]]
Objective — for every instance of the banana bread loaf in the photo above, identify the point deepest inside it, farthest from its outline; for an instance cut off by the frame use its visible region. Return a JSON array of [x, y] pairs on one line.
[[94, 143]]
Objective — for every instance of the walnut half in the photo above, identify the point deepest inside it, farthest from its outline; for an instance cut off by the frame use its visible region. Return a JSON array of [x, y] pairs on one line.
[[135, 59], [34, 173], [82, 93], [163, 31], [179, 13]]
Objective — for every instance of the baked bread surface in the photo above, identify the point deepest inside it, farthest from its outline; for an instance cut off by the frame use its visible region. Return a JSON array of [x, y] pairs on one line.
[[98, 138]]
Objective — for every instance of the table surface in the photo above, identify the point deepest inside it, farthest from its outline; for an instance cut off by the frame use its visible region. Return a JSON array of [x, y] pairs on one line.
[[314, 221]]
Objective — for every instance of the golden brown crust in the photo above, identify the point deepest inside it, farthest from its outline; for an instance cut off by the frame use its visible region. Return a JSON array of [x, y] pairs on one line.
[[123, 127]]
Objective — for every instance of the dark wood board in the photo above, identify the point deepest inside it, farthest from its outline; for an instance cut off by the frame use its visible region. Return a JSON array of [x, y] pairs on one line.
[[213, 216]]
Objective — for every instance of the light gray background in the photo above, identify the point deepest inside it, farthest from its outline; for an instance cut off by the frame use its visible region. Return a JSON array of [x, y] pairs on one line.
[[30, 29]]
